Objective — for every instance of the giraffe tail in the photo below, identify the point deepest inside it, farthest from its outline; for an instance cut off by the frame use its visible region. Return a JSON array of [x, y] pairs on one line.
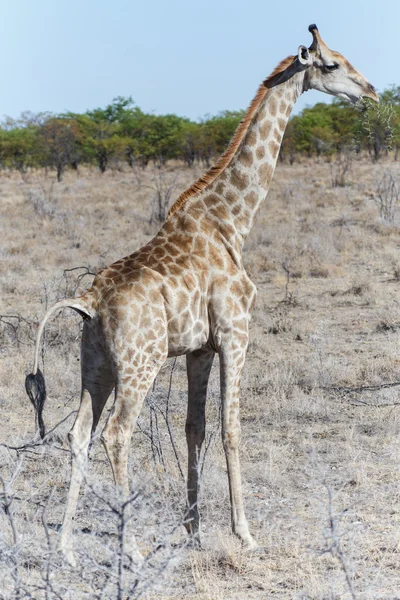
[[34, 382]]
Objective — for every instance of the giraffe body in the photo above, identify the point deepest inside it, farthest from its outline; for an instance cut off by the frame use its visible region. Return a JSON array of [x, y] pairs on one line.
[[187, 292]]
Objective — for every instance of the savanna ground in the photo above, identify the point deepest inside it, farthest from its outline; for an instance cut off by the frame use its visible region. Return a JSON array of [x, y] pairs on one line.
[[320, 462]]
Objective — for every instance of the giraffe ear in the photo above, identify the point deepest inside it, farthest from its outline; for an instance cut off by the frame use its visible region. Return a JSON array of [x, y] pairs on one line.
[[304, 56]]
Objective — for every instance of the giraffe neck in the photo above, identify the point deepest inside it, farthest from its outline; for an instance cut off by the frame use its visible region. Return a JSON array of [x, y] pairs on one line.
[[233, 197], [244, 183]]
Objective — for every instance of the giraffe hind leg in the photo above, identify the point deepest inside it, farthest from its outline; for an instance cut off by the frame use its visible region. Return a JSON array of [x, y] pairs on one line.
[[199, 365], [97, 384]]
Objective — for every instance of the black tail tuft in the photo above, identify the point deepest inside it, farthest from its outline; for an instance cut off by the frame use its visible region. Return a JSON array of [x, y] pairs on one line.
[[36, 390]]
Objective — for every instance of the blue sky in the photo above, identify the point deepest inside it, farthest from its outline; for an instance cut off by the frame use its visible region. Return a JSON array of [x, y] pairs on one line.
[[188, 58]]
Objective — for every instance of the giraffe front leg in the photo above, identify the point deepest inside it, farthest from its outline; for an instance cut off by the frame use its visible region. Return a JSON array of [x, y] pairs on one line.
[[232, 358], [198, 365], [131, 391]]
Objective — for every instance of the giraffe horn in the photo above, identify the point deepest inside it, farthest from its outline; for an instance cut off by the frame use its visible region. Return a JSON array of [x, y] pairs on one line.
[[317, 39]]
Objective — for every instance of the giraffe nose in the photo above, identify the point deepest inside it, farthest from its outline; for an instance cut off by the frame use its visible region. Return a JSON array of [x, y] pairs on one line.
[[372, 93]]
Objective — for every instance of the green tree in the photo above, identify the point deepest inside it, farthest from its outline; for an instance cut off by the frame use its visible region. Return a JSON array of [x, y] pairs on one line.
[[217, 131], [18, 148], [59, 143]]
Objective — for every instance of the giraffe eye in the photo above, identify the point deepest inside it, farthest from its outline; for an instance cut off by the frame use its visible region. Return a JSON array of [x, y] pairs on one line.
[[332, 67]]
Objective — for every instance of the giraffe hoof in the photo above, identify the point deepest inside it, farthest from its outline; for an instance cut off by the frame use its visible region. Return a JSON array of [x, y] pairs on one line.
[[250, 546], [69, 557], [193, 542], [255, 550], [135, 556]]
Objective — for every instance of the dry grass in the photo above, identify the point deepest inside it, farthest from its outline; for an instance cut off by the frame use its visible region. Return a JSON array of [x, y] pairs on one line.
[[320, 465]]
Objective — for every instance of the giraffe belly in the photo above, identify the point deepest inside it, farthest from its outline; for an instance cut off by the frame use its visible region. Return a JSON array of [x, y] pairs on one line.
[[185, 337]]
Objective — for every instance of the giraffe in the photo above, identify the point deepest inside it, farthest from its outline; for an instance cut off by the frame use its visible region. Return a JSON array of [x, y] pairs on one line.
[[187, 293]]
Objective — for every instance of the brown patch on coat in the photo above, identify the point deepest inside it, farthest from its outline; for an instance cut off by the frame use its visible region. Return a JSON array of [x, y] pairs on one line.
[[265, 172], [199, 245], [236, 210], [215, 257], [246, 157], [211, 200], [273, 107], [251, 138], [187, 224], [220, 212], [231, 197], [172, 250], [281, 123], [274, 149], [265, 129], [260, 152], [239, 180], [251, 199], [262, 114]]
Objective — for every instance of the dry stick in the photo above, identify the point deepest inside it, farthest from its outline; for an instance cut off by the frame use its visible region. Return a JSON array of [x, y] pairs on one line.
[[78, 279], [157, 573], [41, 442], [15, 327], [366, 388], [48, 585], [159, 444], [166, 419], [359, 390], [153, 408], [210, 438], [155, 446], [122, 521], [335, 549], [150, 437], [285, 268], [7, 502], [120, 556], [102, 568], [46, 305], [99, 569]]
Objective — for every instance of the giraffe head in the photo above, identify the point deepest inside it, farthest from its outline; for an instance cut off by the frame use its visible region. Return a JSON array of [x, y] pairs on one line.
[[330, 72]]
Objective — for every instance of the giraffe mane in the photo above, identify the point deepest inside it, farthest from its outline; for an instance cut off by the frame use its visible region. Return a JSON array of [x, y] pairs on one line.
[[238, 137], [283, 65]]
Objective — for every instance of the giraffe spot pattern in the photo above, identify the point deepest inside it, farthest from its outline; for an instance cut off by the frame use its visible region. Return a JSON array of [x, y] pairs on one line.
[[239, 180], [265, 129], [260, 152]]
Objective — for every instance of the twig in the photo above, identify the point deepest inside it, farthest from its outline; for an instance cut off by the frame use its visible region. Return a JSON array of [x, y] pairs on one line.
[[363, 388], [42, 441], [210, 438], [48, 585], [165, 415], [334, 547], [7, 500]]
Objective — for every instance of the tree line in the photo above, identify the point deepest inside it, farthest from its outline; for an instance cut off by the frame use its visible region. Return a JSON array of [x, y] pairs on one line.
[[122, 132]]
